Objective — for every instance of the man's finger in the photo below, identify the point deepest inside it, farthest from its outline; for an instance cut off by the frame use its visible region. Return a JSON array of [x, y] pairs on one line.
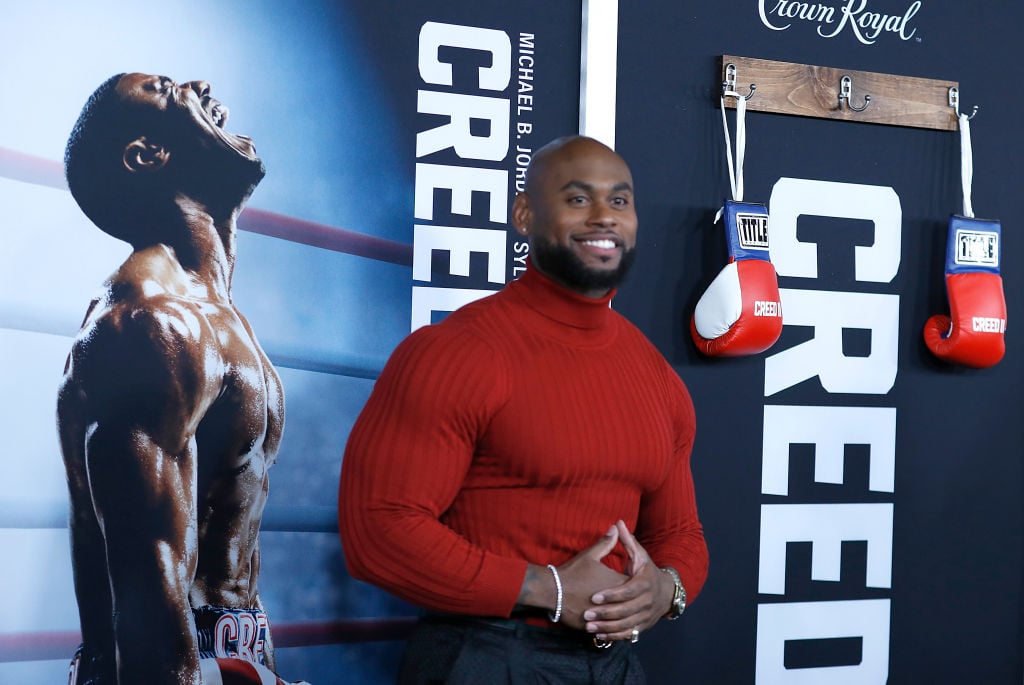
[[637, 554], [624, 635], [631, 589], [628, 541], [614, 611], [615, 618], [605, 544]]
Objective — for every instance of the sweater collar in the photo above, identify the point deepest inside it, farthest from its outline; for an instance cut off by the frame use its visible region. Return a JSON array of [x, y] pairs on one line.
[[560, 304]]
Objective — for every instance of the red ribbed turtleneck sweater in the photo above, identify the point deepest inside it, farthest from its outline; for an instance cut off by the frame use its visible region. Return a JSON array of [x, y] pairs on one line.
[[517, 430]]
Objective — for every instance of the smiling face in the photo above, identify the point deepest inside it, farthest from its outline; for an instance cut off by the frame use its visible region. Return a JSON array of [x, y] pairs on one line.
[[579, 211]]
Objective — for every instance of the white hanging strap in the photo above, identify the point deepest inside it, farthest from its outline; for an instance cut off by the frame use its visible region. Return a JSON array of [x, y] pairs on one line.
[[966, 164], [735, 171]]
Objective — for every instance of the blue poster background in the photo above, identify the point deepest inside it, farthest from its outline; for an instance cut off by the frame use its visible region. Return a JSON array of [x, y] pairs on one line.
[[328, 92]]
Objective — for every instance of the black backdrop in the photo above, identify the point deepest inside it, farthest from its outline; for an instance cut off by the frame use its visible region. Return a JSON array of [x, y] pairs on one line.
[[955, 602]]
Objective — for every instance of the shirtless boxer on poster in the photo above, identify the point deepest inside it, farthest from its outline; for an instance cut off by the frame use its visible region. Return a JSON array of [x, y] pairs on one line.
[[169, 413]]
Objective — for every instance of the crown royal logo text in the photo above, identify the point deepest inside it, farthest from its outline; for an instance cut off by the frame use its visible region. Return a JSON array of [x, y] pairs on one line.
[[853, 16]]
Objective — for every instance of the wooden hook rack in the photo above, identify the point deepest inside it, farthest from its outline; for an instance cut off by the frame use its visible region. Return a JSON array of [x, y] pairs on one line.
[[844, 94]]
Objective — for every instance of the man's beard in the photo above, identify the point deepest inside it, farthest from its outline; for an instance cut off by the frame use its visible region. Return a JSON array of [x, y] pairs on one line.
[[565, 266]]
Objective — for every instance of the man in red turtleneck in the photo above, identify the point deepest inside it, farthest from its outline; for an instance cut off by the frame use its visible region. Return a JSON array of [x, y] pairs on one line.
[[521, 470]]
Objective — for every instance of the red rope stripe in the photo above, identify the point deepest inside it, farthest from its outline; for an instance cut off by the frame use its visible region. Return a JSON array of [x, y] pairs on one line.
[[42, 646], [25, 168]]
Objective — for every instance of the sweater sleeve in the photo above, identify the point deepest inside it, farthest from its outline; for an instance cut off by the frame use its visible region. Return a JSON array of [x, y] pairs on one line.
[[405, 462], [668, 526]]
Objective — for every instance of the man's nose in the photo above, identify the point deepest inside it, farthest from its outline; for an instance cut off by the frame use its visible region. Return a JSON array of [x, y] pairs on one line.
[[201, 88], [601, 214]]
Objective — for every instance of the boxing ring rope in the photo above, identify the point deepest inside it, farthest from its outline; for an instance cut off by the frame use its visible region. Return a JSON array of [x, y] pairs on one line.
[[19, 166], [25, 168], [43, 646], [277, 518], [46, 645]]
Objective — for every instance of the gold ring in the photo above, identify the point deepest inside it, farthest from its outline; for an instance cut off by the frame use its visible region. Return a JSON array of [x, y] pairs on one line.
[[635, 637], [602, 644]]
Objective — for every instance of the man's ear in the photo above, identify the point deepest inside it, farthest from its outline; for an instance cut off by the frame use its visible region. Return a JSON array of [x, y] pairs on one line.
[[522, 214], [141, 155]]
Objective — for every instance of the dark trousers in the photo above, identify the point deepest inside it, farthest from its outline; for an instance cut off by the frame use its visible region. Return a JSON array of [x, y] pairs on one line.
[[469, 651]]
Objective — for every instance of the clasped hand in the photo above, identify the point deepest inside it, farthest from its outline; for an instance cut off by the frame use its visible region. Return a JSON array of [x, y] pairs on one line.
[[608, 604]]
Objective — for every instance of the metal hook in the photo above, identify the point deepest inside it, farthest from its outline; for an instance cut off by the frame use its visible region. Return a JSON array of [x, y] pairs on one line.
[[954, 102], [845, 89], [729, 84]]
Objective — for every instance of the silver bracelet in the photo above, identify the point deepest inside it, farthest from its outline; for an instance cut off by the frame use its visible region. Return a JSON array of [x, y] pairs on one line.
[[558, 600]]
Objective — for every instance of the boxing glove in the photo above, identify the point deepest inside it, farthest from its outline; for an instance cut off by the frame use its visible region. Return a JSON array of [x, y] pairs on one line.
[[740, 312], [972, 334]]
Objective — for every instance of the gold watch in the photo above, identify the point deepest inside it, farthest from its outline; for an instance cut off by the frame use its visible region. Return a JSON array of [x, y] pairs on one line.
[[678, 597]]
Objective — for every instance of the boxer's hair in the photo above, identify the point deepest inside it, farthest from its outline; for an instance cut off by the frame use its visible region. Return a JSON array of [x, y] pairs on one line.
[[110, 196]]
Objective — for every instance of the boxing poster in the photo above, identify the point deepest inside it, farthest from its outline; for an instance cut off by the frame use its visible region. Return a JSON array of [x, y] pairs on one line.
[[861, 498], [349, 170]]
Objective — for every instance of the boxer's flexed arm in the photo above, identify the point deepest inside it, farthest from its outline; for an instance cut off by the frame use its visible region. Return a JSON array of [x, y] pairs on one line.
[[138, 382]]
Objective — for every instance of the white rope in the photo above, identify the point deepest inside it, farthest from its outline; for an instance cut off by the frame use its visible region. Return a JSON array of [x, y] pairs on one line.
[[735, 171], [966, 164]]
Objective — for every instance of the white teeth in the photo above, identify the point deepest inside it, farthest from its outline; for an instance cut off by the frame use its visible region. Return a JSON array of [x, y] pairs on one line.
[[603, 244], [217, 113]]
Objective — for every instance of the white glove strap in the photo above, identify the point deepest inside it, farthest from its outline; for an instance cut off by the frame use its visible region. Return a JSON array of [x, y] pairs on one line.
[[736, 172], [966, 164]]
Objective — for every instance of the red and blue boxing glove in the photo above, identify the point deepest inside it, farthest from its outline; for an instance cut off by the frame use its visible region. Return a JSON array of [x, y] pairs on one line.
[[740, 313], [973, 332]]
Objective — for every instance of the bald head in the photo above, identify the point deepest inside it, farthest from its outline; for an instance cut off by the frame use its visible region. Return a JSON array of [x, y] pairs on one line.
[[564, 149]]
